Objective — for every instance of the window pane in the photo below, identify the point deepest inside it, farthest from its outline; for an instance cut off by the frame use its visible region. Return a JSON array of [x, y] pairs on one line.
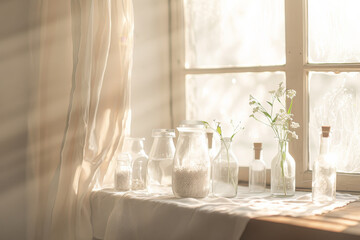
[[222, 33], [335, 101], [225, 97], [334, 32]]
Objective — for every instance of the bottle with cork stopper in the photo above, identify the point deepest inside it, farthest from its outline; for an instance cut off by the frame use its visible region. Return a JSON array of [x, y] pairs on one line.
[[324, 171], [257, 171]]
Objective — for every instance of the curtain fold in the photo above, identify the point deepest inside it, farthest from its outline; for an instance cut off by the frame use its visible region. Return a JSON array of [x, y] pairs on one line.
[[84, 48]]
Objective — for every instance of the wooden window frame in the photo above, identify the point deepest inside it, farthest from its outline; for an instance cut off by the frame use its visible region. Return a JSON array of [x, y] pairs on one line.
[[296, 70]]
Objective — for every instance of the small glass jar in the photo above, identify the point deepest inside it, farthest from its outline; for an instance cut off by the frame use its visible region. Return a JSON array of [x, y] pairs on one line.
[[122, 178], [257, 171], [161, 157], [225, 170], [191, 170], [135, 147]]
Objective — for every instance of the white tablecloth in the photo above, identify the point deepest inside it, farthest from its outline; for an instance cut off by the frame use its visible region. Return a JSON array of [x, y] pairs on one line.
[[139, 215]]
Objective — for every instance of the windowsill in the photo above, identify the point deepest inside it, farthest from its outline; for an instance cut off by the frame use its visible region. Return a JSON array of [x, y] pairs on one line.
[[341, 223]]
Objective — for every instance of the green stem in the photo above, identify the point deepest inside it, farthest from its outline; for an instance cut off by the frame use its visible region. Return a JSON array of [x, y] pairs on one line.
[[283, 157]]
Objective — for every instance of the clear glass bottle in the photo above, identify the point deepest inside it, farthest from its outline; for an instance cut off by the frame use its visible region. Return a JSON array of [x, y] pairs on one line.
[[324, 171], [135, 147], [191, 170], [225, 170], [283, 172], [257, 171], [122, 178], [161, 159]]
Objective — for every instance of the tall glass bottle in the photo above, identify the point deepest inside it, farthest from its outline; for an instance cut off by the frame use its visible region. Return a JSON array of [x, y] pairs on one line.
[[324, 171], [191, 170], [257, 171], [225, 170], [160, 163], [135, 146], [283, 172]]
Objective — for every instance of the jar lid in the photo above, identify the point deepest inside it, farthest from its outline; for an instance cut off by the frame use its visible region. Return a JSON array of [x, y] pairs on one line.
[[192, 124], [163, 133], [187, 125]]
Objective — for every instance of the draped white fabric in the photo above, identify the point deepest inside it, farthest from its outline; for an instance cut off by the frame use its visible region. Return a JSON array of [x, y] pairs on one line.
[[141, 215], [82, 57]]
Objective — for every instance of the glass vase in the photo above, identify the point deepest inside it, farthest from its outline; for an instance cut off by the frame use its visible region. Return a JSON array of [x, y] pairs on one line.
[[283, 172], [225, 171]]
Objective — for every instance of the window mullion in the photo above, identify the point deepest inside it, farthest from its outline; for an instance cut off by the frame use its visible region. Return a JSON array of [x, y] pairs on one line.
[[295, 27]]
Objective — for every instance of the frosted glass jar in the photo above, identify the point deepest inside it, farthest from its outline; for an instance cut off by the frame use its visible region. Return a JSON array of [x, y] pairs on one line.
[[191, 170]]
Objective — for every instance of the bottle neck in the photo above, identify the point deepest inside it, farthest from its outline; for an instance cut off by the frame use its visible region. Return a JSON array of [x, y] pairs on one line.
[[226, 143], [283, 146], [134, 146], [324, 145], [162, 146], [257, 153]]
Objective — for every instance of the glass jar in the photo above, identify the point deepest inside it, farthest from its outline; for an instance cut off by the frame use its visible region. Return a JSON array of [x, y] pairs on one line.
[[122, 178], [257, 171], [225, 170], [324, 171], [135, 147], [161, 159], [191, 170], [283, 172]]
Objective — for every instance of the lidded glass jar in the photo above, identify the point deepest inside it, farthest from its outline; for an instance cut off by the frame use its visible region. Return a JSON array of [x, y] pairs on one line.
[[135, 147], [122, 178], [161, 157], [191, 170]]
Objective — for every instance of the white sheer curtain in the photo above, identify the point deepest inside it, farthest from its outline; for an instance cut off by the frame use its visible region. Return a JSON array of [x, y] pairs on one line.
[[82, 56]]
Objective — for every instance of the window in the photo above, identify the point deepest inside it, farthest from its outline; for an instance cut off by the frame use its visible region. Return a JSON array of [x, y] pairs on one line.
[[225, 50]]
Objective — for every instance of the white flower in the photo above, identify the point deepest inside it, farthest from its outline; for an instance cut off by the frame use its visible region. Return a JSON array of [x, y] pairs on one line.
[[294, 135], [291, 93], [291, 134], [272, 92], [280, 91], [294, 125]]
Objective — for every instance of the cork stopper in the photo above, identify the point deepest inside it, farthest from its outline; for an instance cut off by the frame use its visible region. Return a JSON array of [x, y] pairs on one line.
[[257, 149], [325, 131], [210, 138]]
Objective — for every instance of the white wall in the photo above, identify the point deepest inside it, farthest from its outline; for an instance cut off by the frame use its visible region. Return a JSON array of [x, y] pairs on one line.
[[150, 93]]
